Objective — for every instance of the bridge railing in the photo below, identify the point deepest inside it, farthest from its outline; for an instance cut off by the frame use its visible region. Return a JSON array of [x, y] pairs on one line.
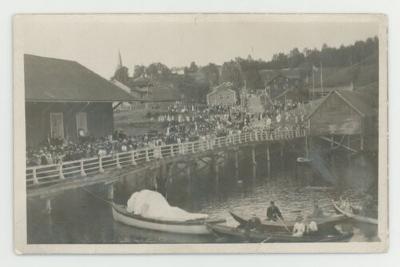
[[51, 174]]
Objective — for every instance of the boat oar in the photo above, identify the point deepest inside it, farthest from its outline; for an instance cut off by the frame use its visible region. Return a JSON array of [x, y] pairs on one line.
[[284, 224]]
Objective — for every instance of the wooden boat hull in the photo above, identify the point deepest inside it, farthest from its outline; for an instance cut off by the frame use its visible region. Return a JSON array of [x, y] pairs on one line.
[[265, 237], [195, 227], [325, 224], [355, 217], [303, 160]]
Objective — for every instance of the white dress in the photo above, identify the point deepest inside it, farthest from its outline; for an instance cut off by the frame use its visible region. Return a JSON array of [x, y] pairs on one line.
[[298, 229]]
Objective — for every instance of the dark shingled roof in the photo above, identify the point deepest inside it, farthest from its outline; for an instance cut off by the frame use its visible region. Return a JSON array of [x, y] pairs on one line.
[[59, 80], [360, 102]]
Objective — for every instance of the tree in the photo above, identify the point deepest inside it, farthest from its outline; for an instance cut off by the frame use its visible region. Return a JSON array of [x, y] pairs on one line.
[[139, 71], [121, 75], [211, 73], [157, 71], [193, 89], [295, 58], [193, 67], [279, 61], [232, 72]]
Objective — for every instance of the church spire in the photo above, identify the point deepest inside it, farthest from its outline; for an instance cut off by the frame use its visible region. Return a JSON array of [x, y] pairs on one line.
[[119, 59]]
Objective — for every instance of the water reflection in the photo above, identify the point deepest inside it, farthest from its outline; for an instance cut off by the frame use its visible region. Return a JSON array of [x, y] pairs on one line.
[[78, 217]]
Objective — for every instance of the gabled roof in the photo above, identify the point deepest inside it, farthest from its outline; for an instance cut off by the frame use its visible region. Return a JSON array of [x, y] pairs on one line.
[[357, 101], [59, 80], [268, 75], [226, 86]]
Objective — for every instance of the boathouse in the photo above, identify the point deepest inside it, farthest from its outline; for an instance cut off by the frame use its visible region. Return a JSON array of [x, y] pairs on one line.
[[344, 113], [64, 100]]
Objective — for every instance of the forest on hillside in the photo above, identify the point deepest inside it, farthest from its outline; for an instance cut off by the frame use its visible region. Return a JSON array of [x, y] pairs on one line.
[[352, 62]]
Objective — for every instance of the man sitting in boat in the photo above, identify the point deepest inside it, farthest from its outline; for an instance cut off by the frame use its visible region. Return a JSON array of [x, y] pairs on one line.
[[311, 226], [299, 228], [317, 211], [253, 223], [344, 204], [273, 212]]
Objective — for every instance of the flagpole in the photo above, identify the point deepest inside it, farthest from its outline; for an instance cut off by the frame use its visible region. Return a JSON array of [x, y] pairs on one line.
[[322, 86], [313, 83]]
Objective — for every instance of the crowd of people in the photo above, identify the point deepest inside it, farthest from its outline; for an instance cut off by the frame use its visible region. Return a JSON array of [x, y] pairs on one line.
[[181, 123], [55, 151]]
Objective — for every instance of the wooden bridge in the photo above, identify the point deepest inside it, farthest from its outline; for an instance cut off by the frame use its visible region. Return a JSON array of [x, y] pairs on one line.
[[50, 179]]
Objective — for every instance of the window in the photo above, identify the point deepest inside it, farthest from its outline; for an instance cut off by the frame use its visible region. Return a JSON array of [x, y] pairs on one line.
[[81, 123], [56, 125]]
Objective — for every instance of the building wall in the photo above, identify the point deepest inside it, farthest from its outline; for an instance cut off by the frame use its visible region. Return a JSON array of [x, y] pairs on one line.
[[99, 120], [254, 104], [223, 97], [336, 117]]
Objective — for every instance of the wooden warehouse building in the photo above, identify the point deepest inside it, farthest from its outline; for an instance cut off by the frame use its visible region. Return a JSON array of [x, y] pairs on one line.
[[65, 100], [345, 113]]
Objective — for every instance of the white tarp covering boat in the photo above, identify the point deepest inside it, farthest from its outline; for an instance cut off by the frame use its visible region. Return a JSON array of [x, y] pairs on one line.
[[153, 205]]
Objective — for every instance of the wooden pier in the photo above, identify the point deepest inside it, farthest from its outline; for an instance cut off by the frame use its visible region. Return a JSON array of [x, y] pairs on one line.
[[44, 181]]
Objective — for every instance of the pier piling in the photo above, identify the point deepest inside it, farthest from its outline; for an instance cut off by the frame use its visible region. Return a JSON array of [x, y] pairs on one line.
[[254, 162], [110, 191], [237, 164], [48, 207]]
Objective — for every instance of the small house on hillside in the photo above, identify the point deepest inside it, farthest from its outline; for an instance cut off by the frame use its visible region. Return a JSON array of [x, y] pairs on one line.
[[223, 95], [285, 84], [65, 100]]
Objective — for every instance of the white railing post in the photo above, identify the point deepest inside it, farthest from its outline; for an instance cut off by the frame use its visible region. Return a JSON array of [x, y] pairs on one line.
[[60, 171], [83, 173], [34, 175], [172, 150], [160, 150], [193, 147], [101, 170], [147, 155], [118, 163], [181, 148], [133, 158]]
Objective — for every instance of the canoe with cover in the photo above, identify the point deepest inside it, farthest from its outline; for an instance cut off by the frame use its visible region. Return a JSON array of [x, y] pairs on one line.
[[193, 227]]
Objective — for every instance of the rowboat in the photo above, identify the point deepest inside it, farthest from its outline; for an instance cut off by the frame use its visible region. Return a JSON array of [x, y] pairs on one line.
[[191, 227], [240, 234], [303, 160], [325, 224], [355, 217]]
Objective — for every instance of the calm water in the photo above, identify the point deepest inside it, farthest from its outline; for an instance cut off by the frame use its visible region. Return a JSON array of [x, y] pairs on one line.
[[82, 217]]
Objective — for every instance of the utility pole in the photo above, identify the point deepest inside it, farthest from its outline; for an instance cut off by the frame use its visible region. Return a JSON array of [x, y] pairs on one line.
[[322, 85], [313, 82]]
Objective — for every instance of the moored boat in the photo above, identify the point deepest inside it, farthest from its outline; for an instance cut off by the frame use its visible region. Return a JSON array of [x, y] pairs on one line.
[[240, 234], [355, 217], [303, 160], [325, 224], [193, 227]]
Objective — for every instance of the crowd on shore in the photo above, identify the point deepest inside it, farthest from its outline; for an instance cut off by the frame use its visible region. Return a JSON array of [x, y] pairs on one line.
[[181, 124]]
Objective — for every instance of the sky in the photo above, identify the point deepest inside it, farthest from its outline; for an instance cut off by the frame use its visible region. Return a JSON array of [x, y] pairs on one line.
[[95, 41]]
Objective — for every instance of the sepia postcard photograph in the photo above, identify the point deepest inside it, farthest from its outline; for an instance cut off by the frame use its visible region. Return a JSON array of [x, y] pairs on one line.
[[200, 133]]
